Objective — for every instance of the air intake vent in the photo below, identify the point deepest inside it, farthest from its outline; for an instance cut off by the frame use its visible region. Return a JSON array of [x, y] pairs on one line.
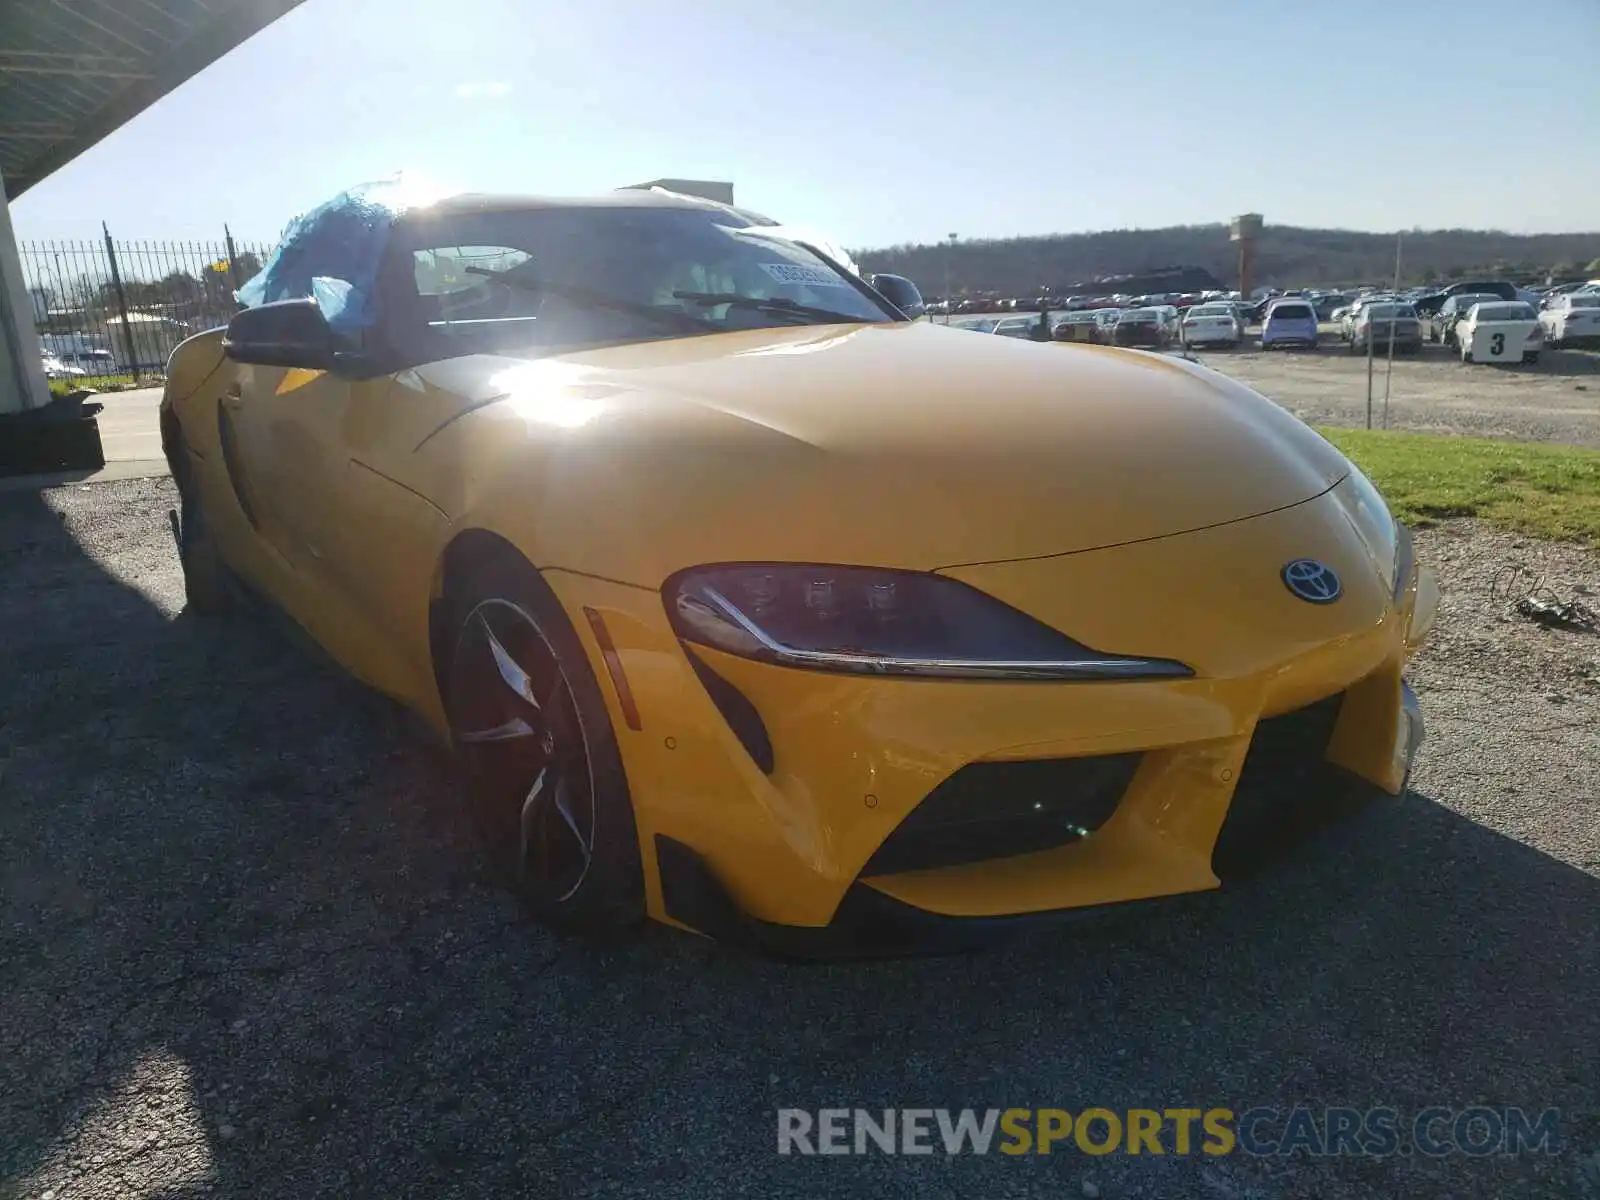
[[1000, 809], [737, 711]]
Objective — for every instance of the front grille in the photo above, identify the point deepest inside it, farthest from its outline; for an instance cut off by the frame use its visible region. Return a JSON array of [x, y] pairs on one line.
[[999, 809], [1285, 786]]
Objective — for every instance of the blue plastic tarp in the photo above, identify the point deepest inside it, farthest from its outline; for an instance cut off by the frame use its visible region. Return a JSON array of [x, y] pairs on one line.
[[331, 254]]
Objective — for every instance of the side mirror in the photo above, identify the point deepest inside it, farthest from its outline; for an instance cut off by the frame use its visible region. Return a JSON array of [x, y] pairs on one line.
[[286, 333], [900, 292]]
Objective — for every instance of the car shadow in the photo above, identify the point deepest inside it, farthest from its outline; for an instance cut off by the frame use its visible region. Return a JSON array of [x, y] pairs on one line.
[[250, 950]]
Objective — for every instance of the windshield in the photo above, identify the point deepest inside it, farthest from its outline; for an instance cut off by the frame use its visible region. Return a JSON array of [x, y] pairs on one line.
[[1211, 310], [1385, 312], [1291, 312], [549, 278]]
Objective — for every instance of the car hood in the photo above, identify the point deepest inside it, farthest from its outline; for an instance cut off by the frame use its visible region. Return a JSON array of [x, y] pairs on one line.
[[909, 445]]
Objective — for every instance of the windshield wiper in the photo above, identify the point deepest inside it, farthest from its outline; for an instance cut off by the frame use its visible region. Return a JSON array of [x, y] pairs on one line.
[[581, 295], [768, 304]]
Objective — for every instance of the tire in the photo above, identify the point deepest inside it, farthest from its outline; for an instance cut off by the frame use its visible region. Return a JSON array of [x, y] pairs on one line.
[[207, 582], [1531, 359], [539, 778], [1466, 354]]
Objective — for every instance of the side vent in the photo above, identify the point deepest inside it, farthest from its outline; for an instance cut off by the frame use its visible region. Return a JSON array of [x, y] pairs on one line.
[[737, 711]]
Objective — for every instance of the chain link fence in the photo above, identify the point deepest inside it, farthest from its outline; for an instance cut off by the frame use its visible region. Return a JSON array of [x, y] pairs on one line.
[[109, 313]]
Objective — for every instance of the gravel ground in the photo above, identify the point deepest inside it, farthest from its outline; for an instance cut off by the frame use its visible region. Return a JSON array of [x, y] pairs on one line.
[[247, 949], [1557, 400]]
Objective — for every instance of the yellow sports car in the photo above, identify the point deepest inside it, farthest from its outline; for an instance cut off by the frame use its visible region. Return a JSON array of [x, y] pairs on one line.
[[753, 605]]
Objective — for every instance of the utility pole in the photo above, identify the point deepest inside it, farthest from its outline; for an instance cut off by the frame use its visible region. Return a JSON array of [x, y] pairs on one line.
[[949, 299], [1399, 238]]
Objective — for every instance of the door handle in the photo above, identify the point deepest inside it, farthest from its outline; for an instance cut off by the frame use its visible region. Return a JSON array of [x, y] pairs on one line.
[[233, 398]]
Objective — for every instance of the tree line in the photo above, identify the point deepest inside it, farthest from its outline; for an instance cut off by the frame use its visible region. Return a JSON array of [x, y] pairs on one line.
[[1285, 256]]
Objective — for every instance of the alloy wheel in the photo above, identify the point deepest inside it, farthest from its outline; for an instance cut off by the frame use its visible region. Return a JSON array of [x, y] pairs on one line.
[[517, 729]]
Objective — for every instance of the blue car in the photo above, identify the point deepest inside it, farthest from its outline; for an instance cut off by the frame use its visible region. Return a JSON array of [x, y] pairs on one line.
[[1289, 323]]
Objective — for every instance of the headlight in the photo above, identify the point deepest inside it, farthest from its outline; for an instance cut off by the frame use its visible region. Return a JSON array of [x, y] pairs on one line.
[[881, 622]]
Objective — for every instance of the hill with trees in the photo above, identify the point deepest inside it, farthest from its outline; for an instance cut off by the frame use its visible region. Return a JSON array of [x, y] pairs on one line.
[[1286, 256]]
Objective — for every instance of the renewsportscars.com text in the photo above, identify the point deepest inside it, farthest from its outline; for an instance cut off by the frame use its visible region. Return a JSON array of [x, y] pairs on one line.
[[1376, 1132]]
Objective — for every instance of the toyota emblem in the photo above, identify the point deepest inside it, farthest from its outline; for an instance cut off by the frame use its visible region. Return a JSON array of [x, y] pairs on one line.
[[1312, 581]]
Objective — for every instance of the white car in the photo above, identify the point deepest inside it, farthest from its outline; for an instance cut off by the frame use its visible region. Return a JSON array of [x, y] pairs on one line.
[[1105, 318], [1347, 317], [1211, 325], [1017, 327], [1500, 331], [54, 368], [1572, 319]]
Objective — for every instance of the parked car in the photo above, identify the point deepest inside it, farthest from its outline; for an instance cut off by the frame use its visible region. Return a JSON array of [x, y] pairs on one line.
[[54, 368], [1145, 327], [1328, 304], [1077, 327], [1344, 316], [1017, 327], [1389, 321], [1211, 325], [1240, 310], [1498, 288], [1500, 331], [1572, 320], [1442, 324], [1288, 323], [1105, 318], [627, 561], [1349, 316]]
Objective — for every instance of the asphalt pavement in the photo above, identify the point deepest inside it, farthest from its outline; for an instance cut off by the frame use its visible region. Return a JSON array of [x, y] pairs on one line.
[[247, 948]]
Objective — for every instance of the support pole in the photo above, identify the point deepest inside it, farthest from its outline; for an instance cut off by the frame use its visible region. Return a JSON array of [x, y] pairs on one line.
[[122, 302]]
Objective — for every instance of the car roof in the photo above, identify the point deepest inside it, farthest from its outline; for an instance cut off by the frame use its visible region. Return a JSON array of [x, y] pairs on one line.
[[467, 203], [622, 198]]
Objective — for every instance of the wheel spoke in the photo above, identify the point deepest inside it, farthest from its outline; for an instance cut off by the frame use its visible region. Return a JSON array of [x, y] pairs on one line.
[[528, 826], [506, 731], [510, 672], [563, 805]]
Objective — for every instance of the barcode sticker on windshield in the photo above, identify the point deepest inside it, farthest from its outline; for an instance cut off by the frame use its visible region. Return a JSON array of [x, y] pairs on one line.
[[800, 274]]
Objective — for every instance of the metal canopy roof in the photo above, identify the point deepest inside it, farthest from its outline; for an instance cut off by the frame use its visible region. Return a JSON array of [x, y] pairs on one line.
[[72, 71]]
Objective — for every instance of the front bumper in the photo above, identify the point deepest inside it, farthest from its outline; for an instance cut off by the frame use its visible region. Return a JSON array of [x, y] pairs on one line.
[[870, 923], [804, 848]]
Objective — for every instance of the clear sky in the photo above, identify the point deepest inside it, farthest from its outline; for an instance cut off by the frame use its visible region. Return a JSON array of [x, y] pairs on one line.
[[884, 121]]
